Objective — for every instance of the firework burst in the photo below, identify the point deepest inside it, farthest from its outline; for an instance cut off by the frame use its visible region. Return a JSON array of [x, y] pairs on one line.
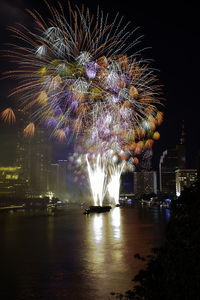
[[75, 78], [65, 69], [8, 116]]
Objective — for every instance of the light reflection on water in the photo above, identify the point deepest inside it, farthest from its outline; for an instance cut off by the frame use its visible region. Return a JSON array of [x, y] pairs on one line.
[[116, 223], [99, 224], [98, 228], [104, 234], [75, 256], [167, 214]]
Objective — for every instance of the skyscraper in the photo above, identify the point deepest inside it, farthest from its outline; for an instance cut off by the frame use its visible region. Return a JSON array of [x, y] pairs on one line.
[[11, 184], [185, 178], [170, 161], [62, 179], [23, 150], [53, 181], [33, 156], [40, 162]]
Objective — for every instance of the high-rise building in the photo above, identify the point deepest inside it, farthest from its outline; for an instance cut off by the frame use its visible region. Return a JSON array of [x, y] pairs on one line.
[[168, 165], [11, 182], [184, 178], [23, 149], [62, 179], [198, 164], [53, 181], [40, 162], [33, 156], [144, 182], [170, 161]]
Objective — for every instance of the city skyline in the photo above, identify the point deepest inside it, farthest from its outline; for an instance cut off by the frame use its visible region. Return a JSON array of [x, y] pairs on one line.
[[62, 150], [36, 172]]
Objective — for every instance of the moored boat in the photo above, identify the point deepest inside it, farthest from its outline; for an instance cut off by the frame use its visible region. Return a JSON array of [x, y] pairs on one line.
[[97, 209]]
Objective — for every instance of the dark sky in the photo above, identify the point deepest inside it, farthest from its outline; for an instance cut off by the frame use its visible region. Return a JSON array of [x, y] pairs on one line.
[[172, 32]]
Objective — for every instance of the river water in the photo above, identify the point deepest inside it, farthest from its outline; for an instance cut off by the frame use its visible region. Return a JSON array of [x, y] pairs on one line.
[[70, 255]]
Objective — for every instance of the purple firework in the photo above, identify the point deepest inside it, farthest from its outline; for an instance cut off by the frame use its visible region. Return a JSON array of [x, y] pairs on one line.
[[67, 131], [51, 122], [91, 70], [115, 99], [74, 105], [57, 111]]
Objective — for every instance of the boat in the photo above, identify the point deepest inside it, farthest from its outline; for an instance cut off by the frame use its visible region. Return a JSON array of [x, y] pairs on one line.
[[51, 207], [146, 202], [97, 209]]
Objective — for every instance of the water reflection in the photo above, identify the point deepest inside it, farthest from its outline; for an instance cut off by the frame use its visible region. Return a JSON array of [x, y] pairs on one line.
[[167, 214], [98, 227], [156, 215], [116, 223], [50, 229], [103, 227], [94, 252]]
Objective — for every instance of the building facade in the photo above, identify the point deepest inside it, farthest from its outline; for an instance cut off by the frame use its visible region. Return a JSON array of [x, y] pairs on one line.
[[11, 182], [185, 178], [53, 181], [62, 179], [170, 161], [33, 156], [144, 182], [40, 163]]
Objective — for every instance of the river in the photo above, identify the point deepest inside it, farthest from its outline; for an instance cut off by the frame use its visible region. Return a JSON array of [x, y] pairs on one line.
[[69, 255]]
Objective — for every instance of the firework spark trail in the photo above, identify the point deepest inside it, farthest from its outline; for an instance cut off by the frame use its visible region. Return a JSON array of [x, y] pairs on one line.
[[76, 79], [97, 177], [113, 186], [68, 71]]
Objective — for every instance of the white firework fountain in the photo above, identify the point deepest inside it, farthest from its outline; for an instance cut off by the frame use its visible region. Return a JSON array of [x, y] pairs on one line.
[[98, 179], [114, 182]]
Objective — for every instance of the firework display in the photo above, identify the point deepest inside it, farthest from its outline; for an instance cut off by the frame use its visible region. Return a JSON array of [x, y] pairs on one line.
[[77, 78]]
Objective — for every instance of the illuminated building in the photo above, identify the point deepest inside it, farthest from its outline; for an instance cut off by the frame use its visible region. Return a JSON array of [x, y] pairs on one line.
[[54, 179], [15, 174], [62, 179], [170, 161], [184, 178], [23, 150], [168, 166], [40, 162], [198, 164], [144, 182], [11, 182], [33, 156]]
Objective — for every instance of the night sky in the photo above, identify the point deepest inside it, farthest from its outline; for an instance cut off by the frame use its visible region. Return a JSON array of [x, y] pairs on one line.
[[173, 35]]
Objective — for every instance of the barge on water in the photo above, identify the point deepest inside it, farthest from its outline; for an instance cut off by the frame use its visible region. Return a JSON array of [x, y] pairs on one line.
[[97, 209]]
